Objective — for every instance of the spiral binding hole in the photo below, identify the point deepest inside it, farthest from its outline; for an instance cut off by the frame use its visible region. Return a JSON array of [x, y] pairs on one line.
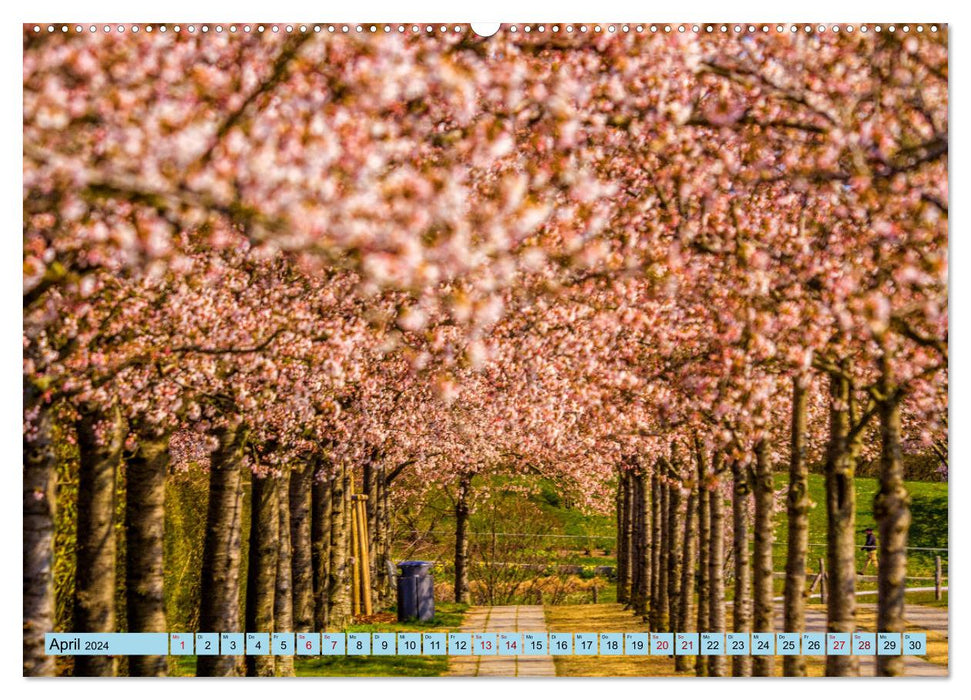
[[512, 29]]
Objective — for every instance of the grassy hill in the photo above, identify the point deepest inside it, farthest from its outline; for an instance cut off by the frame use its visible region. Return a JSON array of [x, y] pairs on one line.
[[929, 526]]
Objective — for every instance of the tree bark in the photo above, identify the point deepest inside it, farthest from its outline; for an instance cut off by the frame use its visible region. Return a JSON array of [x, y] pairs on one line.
[[619, 530], [686, 611], [219, 595], [264, 543], [742, 600], [100, 442], [663, 607], [716, 569], [283, 595], [339, 579], [301, 547], [704, 545], [891, 508], [622, 543], [674, 553], [462, 539], [841, 520], [655, 551], [39, 511], [636, 545], [384, 518], [624, 583], [647, 553], [642, 560], [382, 554], [146, 473], [763, 613], [797, 505], [321, 521], [369, 523]]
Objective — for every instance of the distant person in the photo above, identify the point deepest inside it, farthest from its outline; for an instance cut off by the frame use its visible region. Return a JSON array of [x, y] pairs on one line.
[[870, 549]]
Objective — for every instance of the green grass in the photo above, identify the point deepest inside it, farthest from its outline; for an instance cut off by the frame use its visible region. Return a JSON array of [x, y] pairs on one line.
[[448, 617], [928, 527], [924, 599]]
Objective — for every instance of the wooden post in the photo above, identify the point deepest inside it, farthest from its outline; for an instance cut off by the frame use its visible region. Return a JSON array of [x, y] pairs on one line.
[[937, 578], [355, 562], [595, 592], [365, 555], [822, 581]]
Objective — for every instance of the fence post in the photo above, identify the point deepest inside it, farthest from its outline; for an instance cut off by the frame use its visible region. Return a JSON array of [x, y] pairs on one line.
[[595, 593], [822, 581], [937, 578]]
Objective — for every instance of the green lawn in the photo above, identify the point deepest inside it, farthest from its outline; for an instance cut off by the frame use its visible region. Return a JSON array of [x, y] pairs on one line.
[[928, 527]]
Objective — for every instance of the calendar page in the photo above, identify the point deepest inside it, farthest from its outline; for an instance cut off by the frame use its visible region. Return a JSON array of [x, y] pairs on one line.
[[443, 349]]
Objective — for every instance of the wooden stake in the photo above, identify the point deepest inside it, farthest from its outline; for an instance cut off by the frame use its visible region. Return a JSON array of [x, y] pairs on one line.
[[365, 557], [355, 562], [937, 578]]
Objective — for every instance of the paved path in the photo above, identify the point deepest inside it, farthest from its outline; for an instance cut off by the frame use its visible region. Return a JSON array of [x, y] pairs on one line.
[[503, 618]]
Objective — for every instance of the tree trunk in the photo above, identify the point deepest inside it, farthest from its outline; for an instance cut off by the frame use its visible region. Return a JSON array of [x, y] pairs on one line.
[[891, 508], [369, 524], [642, 562], [763, 612], [686, 611], [622, 542], [381, 555], [716, 569], [647, 552], [674, 554], [797, 505], [320, 535], [663, 608], [742, 602], [633, 544], [841, 520], [384, 520], [100, 441], [301, 547], [462, 540], [656, 559], [264, 543], [704, 545], [339, 579], [619, 529], [219, 594], [628, 511], [39, 510], [283, 596], [146, 472]]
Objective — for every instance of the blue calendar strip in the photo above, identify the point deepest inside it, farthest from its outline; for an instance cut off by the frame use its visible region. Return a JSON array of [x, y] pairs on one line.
[[114, 643], [490, 643]]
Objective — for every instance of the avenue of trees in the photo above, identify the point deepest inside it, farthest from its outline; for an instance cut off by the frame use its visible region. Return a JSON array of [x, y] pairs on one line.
[[650, 267]]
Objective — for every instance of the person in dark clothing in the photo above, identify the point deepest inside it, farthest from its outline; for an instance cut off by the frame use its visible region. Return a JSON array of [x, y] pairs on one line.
[[870, 549]]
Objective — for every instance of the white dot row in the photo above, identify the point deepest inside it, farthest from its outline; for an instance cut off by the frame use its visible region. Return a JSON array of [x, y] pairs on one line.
[[526, 28]]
